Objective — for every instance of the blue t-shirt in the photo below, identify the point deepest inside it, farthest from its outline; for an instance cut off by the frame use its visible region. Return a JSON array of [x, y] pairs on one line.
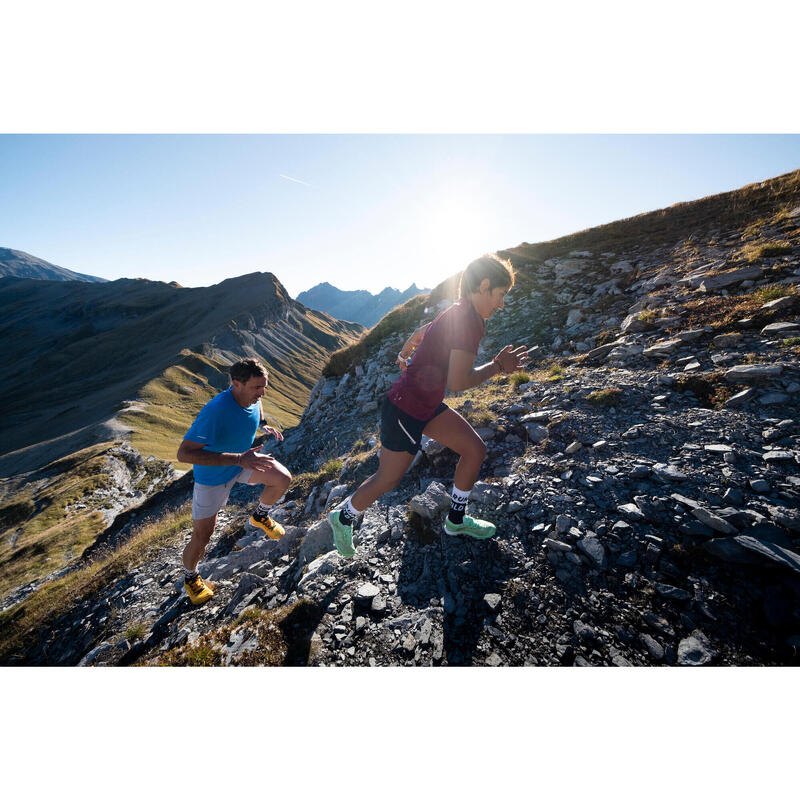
[[223, 426]]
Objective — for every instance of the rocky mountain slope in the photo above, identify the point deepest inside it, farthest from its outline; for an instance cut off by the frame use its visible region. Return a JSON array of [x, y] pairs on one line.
[[359, 306], [644, 474], [18, 264]]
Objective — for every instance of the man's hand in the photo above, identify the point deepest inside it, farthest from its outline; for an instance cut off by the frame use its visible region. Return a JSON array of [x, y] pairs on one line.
[[273, 432], [255, 460]]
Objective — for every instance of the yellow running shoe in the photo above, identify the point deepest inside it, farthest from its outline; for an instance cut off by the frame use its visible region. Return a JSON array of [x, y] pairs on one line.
[[274, 530], [199, 591]]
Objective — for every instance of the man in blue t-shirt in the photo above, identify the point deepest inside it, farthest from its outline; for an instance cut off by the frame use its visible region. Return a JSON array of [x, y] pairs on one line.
[[219, 444]]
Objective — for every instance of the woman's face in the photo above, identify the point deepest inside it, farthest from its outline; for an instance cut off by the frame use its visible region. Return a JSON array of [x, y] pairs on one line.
[[487, 301]]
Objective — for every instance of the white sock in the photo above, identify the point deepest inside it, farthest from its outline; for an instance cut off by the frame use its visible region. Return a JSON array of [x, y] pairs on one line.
[[351, 509], [349, 514], [262, 509], [462, 498], [458, 505]]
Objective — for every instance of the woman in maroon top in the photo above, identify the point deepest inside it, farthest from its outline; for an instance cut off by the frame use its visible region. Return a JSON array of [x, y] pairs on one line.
[[443, 357]]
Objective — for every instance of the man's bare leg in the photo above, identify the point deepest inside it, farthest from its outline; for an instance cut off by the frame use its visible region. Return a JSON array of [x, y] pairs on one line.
[[276, 481], [202, 529]]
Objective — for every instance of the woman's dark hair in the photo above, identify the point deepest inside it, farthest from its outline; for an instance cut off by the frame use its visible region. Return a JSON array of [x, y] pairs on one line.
[[498, 270], [247, 368]]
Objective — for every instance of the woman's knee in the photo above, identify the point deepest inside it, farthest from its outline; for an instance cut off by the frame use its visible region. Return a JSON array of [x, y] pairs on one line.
[[385, 483], [475, 451]]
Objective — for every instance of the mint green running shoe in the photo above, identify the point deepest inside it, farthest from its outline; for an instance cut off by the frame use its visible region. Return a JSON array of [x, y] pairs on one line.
[[342, 535], [476, 528]]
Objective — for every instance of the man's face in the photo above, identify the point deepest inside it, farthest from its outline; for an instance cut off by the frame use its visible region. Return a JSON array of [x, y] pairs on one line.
[[253, 390]]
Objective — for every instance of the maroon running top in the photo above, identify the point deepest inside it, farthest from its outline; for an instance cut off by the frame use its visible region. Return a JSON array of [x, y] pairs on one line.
[[421, 388]]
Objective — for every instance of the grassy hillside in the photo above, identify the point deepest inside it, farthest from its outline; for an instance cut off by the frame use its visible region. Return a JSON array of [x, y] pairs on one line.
[[18, 625], [756, 204], [144, 356], [166, 406], [40, 535]]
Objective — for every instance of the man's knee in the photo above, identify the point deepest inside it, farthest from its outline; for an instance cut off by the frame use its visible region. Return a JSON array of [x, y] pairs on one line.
[[202, 529]]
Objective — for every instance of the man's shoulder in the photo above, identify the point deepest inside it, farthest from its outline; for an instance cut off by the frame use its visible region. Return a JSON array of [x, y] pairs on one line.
[[216, 404]]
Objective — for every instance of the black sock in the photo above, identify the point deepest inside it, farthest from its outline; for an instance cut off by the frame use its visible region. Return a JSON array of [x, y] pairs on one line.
[[456, 513], [346, 518]]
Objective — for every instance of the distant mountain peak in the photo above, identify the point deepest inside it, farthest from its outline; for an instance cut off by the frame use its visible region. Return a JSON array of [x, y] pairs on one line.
[[19, 264], [357, 305]]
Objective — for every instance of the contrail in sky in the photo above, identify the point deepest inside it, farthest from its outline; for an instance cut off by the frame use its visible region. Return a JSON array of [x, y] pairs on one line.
[[296, 180]]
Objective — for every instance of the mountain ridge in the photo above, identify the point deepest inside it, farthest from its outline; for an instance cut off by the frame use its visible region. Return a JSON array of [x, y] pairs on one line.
[[19, 264], [358, 305], [102, 344]]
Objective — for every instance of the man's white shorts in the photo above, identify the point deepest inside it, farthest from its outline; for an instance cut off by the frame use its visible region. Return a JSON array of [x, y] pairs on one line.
[[207, 500]]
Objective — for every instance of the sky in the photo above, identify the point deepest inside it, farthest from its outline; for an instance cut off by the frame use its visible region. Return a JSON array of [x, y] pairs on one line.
[[358, 211]]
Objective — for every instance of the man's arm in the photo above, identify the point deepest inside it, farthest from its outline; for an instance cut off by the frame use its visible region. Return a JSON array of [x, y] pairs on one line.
[[195, 453], [262, 423]]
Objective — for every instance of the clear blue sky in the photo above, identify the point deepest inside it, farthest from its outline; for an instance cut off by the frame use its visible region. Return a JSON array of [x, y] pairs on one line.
[[357, 211]]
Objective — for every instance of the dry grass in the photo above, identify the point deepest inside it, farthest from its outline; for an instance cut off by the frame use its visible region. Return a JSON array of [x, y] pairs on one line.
[[46, 535], [303, 483], [135, 632], [554, 372], [475, 404], [19, 625], [754, 251], [269, 627], [667, 226], [605, 397], [711, 390], [767, 293], [518, 378], [605, 337], [722, 313]]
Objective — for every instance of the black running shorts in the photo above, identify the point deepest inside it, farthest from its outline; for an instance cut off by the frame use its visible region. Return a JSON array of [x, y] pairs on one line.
[[401, 432]]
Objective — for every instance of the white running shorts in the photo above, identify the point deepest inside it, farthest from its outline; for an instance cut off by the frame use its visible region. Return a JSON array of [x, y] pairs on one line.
[[208, 500]]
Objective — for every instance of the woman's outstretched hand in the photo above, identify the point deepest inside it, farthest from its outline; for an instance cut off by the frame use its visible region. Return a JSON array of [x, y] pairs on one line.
[[511, 359]]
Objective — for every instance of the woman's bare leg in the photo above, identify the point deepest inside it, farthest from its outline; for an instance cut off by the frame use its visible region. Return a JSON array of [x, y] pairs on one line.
[[391, 468], [452, 430]]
